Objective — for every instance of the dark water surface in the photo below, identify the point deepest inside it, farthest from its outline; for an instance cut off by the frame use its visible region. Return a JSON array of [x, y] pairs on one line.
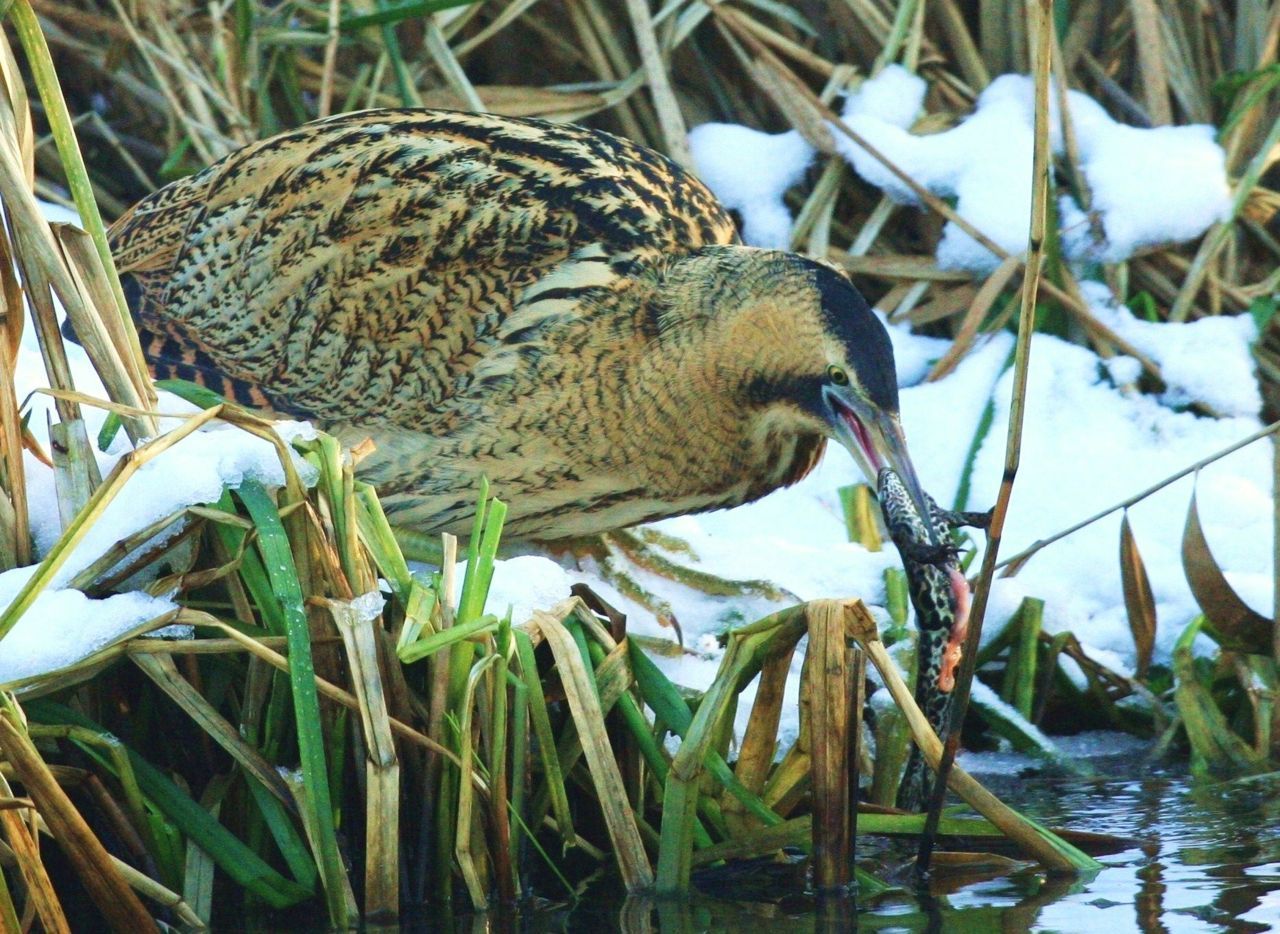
[[1203, 857]]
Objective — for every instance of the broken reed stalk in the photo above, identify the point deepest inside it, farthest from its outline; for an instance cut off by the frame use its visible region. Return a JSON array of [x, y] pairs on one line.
[[382, 766], [584, 704], [1050, 850], [1042, 30], [856, 663], [830, 686]]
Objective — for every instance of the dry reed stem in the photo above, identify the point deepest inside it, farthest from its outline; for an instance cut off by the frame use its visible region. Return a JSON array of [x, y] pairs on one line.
[[382, 766], [670, 120], [585, 706], [968, 331], [1151, 60], [760, 741], [1042, 17], [862, 628], [41, 895], [829, 678], [94, 867]]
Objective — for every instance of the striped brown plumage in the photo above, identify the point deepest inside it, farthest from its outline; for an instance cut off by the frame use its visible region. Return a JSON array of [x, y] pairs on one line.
[[556, 308]]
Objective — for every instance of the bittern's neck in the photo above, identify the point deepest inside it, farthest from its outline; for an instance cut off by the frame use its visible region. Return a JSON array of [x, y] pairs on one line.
[[723, 353]]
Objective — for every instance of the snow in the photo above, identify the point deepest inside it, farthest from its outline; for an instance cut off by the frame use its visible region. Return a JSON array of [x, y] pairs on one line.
[[82, 626], [1204, 361], [1145, 186], [774, 163]]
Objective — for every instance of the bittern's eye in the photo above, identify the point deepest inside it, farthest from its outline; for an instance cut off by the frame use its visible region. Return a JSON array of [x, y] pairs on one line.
[[838, 376]]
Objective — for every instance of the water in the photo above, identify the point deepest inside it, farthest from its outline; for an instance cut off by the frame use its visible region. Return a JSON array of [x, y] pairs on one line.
[[1201, 857]]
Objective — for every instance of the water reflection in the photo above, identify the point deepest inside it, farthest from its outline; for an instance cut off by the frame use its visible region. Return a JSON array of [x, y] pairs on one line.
[[1204, 857], [1208, 860]]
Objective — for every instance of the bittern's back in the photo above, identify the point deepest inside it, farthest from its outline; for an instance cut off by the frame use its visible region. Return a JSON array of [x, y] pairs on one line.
[[360, 267]]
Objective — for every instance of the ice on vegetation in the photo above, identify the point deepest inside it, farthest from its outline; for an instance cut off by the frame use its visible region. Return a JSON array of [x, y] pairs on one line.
[[192, 472], [749, 171], [368, 606], [174, 632], [1146, 186]]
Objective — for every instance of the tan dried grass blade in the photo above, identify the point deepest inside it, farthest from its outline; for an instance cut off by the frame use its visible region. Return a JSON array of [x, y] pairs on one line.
[[382, 766], [633, 862], [1239, 626], [982, 302], [1138, 599], [670, 119], [1149, 43], [162, 670], [40, 892]]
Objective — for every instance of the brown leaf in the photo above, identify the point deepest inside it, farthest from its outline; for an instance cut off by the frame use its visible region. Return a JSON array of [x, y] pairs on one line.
[[1138, 601], [1239, 626]]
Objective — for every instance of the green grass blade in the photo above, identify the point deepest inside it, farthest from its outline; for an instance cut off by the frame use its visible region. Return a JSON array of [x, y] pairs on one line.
[[451, 636], [278, 559], [285, 834], [552, 774], [378, 537], [399, 13], [661, 695], [239, 862]]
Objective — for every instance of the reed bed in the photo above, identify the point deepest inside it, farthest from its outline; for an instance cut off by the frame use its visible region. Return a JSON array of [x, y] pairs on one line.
[[343, 738]]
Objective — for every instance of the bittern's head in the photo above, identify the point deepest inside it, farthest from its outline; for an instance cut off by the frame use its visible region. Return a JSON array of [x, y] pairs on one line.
[[808, 354]]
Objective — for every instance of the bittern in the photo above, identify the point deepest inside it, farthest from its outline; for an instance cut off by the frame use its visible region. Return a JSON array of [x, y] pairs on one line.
[[558, 309]]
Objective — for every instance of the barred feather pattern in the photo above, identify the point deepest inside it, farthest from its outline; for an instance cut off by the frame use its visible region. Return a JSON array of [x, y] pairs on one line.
[[555, 308]]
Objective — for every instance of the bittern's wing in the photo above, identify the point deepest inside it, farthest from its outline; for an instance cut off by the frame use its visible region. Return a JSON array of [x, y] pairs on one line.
[[363, 266]]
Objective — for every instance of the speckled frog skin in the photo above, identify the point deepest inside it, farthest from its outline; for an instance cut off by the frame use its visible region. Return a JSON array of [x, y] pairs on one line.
[[939, 595]]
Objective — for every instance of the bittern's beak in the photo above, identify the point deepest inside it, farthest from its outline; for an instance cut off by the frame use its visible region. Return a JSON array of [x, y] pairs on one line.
[[876, 440]]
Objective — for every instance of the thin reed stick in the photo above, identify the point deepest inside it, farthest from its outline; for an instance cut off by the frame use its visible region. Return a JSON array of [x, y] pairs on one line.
[[1042, 21]]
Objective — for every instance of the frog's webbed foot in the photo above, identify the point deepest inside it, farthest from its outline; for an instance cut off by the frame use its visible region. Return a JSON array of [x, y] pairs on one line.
[[962, 520]]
